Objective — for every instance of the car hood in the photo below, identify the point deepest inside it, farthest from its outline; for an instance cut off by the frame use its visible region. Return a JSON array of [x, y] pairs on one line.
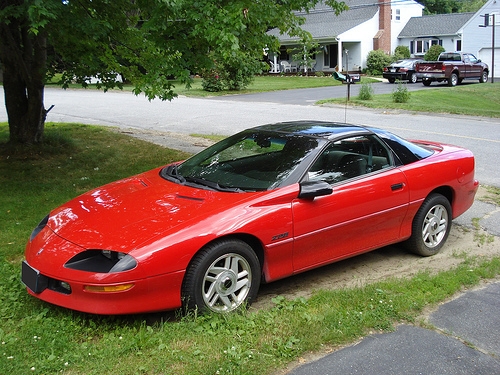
[[123, 215]]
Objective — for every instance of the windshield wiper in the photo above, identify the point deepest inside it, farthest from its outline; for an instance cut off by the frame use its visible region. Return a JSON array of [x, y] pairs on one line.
[[212, 185], [172, 173]]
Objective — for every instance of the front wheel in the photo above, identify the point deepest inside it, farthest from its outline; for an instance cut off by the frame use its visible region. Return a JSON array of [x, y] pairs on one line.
[[222, 277], [431, 226], [484, 77], [413, 78]]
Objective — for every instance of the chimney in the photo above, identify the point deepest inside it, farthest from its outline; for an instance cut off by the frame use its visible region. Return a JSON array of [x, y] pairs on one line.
[[382, 39]]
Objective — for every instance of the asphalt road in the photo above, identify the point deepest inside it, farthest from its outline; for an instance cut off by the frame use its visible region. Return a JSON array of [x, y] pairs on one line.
[[463, 341]]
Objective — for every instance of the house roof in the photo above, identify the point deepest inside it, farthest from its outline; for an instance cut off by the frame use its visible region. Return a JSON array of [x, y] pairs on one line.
[[321, 22], [435, 25]]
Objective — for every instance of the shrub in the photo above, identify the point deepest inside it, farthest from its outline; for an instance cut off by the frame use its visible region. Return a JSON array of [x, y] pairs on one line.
[[402, 52], [365, 92], [433, 53], [212, 81], [400, 94], [376, 61]]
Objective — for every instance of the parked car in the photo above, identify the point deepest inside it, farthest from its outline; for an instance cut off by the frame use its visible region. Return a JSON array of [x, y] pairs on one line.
[[261, 205], [452, 67], [401, 70]]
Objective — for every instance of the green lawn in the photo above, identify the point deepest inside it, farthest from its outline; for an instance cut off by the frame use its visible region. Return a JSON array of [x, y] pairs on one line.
[[471, 99], [37, 338]]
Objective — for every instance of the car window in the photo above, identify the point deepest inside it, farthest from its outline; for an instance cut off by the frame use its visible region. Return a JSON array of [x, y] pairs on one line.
[[249, 161], [472, 59], [349, 158]]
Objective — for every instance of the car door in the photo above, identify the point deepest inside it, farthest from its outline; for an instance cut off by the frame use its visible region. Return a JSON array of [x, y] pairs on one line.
[[365, 211], [474, 68], [465, 70]]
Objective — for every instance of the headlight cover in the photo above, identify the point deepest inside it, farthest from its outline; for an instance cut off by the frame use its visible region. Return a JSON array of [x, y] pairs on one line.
[[39, 227], [102, 261]]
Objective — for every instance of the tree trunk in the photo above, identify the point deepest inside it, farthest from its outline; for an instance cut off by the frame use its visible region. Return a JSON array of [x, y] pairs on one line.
[[24, 59]]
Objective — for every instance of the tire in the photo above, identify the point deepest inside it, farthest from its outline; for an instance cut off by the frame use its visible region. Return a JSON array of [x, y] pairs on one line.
[[413, 78], [431, 226], [426, 82], [484, 77], [222, 277], [453, 80], [391, 80]]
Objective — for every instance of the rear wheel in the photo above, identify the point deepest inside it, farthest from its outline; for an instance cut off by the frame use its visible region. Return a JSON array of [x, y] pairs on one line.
[[431, 226], [426, 82], [391, 80], [453, 80], [222, 277]]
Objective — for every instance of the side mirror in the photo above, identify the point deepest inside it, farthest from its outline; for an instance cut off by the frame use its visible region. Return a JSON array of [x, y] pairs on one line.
[[313, 189]]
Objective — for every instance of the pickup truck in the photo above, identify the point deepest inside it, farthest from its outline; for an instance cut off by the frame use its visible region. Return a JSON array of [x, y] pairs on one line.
[[453, 67]]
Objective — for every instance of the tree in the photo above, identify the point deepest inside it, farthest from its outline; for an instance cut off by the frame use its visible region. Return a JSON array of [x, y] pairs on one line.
[[441, 6], [451, 6], [305, 52], [146, 41]]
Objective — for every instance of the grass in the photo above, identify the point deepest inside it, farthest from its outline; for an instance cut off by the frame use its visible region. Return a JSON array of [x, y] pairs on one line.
[[260, 84], [467, 99], [38, 338]]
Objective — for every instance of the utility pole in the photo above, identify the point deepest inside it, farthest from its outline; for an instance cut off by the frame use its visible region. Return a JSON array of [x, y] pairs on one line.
[[493, 25]]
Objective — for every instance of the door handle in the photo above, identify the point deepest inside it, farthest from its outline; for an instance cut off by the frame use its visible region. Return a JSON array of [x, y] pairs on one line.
[[397, 186]]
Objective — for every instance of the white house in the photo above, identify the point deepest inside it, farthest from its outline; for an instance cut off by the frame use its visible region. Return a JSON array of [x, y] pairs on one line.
[[478, 40], [446, 30], [345, 40]]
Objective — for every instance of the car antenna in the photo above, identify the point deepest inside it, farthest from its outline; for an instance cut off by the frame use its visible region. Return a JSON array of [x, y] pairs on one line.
[[348, 79]]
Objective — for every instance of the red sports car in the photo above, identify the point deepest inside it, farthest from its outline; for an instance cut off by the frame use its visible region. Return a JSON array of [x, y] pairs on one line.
[[261, 205]]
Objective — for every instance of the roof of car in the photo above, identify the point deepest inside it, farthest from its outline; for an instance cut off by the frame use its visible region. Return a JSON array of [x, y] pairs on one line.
[[319, 129]]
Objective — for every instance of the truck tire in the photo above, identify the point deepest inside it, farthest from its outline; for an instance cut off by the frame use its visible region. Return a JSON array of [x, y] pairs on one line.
[[453, 80], [426, 82], [484, 77]]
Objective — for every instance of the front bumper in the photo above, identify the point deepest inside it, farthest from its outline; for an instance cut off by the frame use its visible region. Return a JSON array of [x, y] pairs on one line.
[[158, 293]]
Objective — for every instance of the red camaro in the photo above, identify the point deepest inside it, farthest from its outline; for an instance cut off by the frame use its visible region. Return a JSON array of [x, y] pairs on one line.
[[261, 205]]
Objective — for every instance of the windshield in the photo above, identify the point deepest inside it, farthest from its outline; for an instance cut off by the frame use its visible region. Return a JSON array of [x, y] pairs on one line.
[[248, 161]]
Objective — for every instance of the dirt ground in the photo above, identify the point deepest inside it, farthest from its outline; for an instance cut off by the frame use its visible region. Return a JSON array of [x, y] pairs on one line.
[[377, 265]]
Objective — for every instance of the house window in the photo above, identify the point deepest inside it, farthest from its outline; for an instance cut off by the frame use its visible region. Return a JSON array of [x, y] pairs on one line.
[[421, 46], [459, 45], [284, 53], [398, 15]]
